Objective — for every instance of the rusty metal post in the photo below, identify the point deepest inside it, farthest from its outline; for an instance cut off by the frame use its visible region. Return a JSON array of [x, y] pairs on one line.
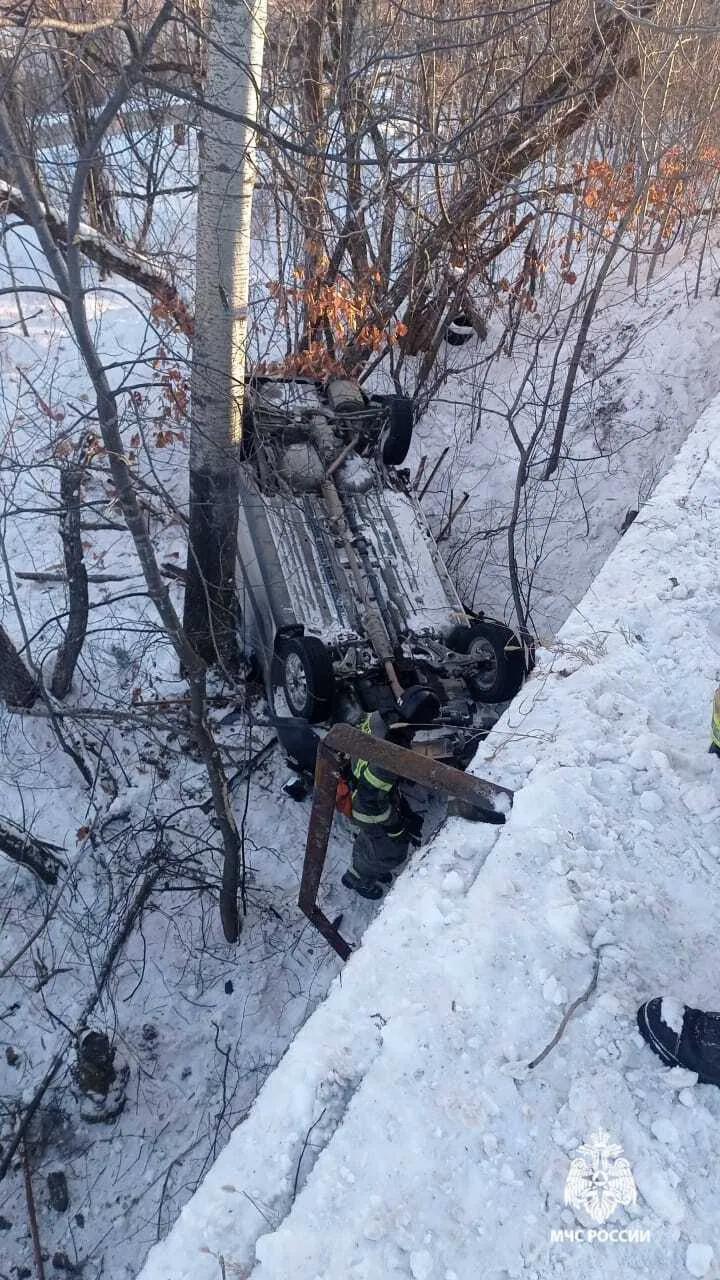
[[327, 776], [343, 739]]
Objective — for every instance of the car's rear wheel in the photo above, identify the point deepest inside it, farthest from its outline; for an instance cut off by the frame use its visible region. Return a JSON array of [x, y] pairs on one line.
[[397, 433], [304, 671], [502, 675]]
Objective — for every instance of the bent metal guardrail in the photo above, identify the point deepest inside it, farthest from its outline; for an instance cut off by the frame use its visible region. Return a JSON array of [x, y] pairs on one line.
[[344, 740]]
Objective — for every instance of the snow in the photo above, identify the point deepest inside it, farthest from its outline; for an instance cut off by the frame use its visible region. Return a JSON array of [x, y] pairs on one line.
[[628, 421], [202, 1025], [665, 1131], [397, 1137], [698, 1259], [672, 1013]]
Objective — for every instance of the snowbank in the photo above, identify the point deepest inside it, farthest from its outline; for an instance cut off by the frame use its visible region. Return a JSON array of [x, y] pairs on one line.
[[403, 1133]]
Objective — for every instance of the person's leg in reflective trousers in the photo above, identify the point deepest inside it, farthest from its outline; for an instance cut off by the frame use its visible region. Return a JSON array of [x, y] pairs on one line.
[[375, 857]]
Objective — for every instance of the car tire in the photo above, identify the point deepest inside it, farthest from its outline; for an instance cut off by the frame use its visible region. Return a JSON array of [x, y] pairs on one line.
[[304, 671], [397, 433], [501, 681], [460, 330]]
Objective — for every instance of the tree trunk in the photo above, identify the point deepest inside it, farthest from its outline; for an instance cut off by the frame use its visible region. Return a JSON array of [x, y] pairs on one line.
[[82, 97], [227, 176], [553, 460], [18, 688], [77, 579]]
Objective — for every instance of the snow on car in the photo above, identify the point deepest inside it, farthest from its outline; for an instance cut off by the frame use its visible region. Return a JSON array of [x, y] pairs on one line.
[[345, 597]]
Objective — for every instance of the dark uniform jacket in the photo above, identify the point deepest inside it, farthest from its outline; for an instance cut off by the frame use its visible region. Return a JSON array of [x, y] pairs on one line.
[[374, 789]]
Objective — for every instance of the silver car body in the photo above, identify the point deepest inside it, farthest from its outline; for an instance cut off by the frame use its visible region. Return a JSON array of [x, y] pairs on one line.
[[294, 568]]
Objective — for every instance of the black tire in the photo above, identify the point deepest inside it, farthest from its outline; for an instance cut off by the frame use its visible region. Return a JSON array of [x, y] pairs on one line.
[[304, 670], [500, 681], [460, 330], [397, 434]]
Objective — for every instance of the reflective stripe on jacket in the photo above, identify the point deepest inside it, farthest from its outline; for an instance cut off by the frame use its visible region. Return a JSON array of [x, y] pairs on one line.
[[372, 792]]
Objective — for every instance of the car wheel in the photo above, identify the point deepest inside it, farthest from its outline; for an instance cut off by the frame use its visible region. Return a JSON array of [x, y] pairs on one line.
[[397, 433], [305, 672], [502, 677], [460, 330]]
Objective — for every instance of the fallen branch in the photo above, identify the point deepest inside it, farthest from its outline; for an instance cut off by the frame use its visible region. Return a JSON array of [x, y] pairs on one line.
[[111, 257], [52, 576], [436, 467], [103, 526], [173, 571], [29, 851], [25, 18], [32, 1215], [567, 1016], [115, 713]]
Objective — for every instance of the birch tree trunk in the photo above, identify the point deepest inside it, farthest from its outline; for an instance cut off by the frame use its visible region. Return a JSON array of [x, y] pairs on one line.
[[227, 174]]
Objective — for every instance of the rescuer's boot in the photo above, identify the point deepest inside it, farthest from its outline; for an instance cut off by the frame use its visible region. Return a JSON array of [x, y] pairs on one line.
[[682, 1037], [372, 889]]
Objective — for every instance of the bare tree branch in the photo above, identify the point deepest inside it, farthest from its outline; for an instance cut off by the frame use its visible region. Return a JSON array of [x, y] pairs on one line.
[[77, 579], [107, 254], [30, 851]]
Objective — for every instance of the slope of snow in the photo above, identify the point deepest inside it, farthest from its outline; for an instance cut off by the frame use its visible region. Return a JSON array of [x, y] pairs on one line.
[[404, 1133], [645, 379]]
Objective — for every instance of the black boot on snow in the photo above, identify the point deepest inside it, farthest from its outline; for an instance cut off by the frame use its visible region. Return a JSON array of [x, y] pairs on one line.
[[372, 889], [682, 1037]]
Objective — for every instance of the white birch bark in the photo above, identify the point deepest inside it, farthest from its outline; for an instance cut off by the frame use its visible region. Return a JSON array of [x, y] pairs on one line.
[[227, 174]]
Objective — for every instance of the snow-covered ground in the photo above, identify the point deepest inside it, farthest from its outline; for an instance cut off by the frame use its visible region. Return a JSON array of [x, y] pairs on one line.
[[647, 373], [404, 1133], [199, 1025]]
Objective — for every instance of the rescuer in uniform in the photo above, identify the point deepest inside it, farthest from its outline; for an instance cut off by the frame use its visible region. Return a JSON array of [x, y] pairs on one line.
[[387, 826]]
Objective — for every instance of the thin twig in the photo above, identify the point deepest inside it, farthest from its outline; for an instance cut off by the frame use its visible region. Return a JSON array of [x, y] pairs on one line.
[[434, 471], [445, 531], [582, 999], [302, 1153], [419, 473], [32, 1215]]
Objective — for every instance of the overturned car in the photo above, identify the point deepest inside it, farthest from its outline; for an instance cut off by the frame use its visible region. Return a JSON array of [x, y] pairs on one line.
[[346, 601]]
